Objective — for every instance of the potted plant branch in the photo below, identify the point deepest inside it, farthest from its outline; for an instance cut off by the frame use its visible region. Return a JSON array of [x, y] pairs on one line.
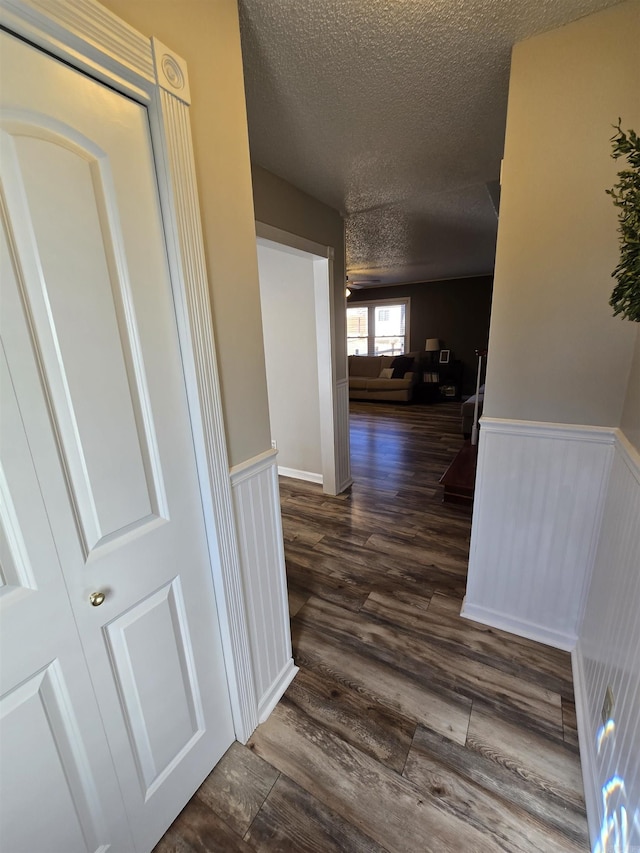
[[625, 298]]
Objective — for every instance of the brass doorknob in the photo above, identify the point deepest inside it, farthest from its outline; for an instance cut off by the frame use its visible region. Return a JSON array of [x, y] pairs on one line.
[[96, 598]]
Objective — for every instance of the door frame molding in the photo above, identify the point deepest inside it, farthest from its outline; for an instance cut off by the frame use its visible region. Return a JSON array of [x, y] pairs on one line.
[[92, 39]]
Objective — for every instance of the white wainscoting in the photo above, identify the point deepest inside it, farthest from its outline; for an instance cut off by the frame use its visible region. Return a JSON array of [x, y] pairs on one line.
[[539, 496], [608, 653], [256, 501], [343, 452]]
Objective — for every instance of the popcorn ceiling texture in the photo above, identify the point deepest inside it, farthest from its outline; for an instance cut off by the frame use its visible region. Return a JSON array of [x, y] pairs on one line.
[[393, 112]]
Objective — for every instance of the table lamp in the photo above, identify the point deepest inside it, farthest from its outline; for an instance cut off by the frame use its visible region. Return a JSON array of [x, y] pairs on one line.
[[432, 345]]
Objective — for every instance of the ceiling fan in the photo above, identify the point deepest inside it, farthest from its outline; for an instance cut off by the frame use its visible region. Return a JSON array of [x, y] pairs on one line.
[[362, 282]]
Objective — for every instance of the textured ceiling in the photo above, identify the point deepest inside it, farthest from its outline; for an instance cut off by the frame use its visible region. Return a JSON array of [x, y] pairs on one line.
[[393, 112]]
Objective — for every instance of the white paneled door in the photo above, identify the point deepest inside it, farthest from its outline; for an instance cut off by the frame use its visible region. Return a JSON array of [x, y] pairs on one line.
[[114, 698]]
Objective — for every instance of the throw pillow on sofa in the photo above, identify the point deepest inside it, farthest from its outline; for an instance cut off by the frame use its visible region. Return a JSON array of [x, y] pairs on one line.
[[401, 364], [386, 373]]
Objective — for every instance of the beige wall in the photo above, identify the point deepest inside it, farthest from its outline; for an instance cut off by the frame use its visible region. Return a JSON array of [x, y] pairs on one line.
[[206, 34], [555, 351], [631, 412], [282, 205]]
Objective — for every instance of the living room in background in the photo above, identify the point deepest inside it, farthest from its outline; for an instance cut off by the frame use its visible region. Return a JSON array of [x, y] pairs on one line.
[[457, 311], [378, 328]]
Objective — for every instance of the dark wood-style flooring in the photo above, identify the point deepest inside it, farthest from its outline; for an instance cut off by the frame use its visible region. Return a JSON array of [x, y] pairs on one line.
[[407, 728]]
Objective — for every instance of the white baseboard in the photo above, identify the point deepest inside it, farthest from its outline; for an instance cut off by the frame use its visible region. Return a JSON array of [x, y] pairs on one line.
[[300, 475], [271, 699], [520, 627]]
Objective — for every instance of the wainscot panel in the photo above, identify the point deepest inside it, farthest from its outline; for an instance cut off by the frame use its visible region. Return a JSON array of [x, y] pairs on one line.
[[343, 456], [608, 655], [539, 496], [256, 503]]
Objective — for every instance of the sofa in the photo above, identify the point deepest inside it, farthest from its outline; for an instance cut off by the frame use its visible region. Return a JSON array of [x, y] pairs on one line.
[[468, 408], [383, 377]]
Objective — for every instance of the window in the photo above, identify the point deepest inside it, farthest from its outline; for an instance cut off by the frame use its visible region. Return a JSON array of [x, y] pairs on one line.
[[378, 328], [357, 330]]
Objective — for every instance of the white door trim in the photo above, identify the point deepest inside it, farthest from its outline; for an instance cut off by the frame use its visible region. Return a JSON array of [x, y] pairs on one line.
[[91, 38], [334, 418], [286, 238]]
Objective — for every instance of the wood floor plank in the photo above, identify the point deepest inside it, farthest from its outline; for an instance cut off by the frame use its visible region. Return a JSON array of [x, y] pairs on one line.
[[368, 567], [551, 767], [324, 585], [307, 564], [358, 719], [437, 536], [407, 652], [198, 829], [238, 786], [555, 662], [414, 581], [569, 722], [302, 534], [317, 514], [400, 693], [304, 528], [361, 522], [516, 655], [409, 611], [356, 787], [501, 802], [294, 821], [445, 603], [297, 599], [428, 555]]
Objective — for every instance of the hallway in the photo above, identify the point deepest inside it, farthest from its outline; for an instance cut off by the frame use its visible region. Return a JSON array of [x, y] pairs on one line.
[[407, 728]]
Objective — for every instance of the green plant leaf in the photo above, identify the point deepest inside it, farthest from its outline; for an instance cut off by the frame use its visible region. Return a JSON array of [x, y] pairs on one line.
[[625, 297]]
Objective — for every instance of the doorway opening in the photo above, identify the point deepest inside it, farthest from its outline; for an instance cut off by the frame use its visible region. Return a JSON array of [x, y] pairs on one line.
[[309, 426]]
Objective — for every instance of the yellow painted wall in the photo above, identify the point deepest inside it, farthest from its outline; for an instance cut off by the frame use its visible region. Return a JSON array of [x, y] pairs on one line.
[[555, 351], [206, 34], [631, 413]]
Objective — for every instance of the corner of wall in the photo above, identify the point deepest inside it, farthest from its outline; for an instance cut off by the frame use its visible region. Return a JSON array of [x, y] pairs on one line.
[[256, 501], [608, 655]]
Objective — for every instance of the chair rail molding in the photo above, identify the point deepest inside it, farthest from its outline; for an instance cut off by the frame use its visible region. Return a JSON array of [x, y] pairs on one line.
[[92, 39], [540, 490], [256, 500]]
